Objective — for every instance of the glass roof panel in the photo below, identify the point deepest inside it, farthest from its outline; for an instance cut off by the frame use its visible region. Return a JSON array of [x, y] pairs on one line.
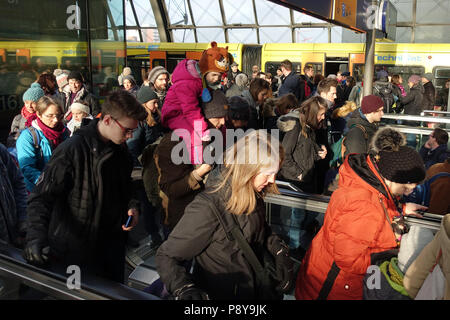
[[130, 20], [178, 12], [275, 35], [269, 13], [210, 34], [183, 35], [239, 12], [206, 12], [247, 36], [144, 13], [311, 35]]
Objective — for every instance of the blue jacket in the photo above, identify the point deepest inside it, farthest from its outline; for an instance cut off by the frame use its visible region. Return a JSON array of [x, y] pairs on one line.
[[13, 197], [31, 160], [142, 137], [293, 84], [438, 155]]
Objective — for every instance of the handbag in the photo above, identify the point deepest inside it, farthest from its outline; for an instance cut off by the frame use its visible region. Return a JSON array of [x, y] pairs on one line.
[[265, 274], [433, 288]]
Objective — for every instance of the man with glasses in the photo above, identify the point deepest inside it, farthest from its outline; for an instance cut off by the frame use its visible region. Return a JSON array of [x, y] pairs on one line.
[[79, 208], [435, 150]]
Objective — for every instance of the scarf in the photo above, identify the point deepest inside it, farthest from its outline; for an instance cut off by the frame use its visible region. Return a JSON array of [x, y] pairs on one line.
[[402, 89], [54, 135], [28, 116]]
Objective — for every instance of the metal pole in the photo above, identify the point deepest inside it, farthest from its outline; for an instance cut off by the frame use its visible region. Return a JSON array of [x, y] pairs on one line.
[[370, 60]]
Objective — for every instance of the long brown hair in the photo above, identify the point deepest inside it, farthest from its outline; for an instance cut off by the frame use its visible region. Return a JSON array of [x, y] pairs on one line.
[[309, 111], [244, 160], [288, 101], [256, 86]]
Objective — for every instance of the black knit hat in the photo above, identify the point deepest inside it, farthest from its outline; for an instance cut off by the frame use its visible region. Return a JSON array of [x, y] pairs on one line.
[[217, 107], [146, 94], [75, 75], [397, 162], [239, 108]]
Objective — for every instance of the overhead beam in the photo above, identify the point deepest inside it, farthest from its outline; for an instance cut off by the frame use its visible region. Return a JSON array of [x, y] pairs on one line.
[[162, 20]]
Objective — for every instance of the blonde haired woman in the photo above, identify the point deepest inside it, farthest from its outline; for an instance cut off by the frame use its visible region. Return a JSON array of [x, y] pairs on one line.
[[222, 270]]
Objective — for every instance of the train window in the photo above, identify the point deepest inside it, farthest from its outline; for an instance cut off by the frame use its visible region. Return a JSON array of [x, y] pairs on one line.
[[73, 62], [317, 67], [158, 62], [404, 71], [272, 67], [44, 59], [441, 74]]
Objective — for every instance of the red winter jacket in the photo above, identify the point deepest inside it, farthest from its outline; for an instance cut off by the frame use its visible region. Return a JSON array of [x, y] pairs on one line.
[[355, 227]]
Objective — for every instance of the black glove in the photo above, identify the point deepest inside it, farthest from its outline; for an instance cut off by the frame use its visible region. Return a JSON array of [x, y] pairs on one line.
[[22, 226], [285, 269], [35, 254], [189, 292]]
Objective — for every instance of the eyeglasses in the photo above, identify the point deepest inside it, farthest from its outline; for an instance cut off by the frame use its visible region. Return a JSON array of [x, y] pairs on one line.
[[124, 129], [53, 116]]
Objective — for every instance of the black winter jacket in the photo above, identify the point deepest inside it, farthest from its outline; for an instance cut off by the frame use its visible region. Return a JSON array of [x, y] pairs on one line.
[[429, 96], [220, 268], [413, 102], [82, 198], [431, 157], [293, 84], [301, 153], [85, 97], [13, 197], [355, 139]]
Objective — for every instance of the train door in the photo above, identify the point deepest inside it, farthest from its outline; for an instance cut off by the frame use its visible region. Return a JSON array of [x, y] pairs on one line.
[[356, 60], [194, 55], [23, 56], [251, 55], [316, 60], [3, 55], [139, 65], [335, 64], [158, 58]]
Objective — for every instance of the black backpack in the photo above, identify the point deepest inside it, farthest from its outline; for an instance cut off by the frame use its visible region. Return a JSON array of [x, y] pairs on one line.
[[385, 92]]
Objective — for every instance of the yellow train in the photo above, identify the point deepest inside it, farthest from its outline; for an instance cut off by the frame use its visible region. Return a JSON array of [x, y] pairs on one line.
[[326, 58], [403, 59]]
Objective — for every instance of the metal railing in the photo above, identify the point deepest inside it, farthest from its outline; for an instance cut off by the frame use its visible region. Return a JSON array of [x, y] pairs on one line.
[[445, 113], [14, 266], [319, 203], [405, 117]]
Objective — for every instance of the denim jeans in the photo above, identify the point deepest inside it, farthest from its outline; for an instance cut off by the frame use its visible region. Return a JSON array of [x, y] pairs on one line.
[[301, 221]]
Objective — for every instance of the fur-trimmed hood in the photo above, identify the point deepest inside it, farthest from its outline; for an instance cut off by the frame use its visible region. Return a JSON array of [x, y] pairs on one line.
[[287, 122]]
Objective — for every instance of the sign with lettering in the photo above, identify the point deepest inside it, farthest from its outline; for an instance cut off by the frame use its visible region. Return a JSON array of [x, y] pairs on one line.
[[345, 12]]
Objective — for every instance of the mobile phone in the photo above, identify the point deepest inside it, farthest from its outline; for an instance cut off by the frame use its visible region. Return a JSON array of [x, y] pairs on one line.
[[127, 224]]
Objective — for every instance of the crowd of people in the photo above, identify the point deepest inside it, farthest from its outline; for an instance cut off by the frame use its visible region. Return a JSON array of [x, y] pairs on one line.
[[69, 163]]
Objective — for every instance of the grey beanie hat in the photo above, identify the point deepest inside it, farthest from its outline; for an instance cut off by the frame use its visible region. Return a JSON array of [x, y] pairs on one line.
[[428, 76], [130, 78], [146, 94], [155, 73], [217, 107], [241, 80]]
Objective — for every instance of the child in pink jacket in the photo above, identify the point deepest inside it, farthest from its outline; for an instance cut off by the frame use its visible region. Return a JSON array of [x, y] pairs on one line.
[[182, 106]]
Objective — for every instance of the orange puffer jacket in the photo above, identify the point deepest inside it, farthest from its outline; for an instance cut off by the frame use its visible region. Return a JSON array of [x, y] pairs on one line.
[[355, 227]]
